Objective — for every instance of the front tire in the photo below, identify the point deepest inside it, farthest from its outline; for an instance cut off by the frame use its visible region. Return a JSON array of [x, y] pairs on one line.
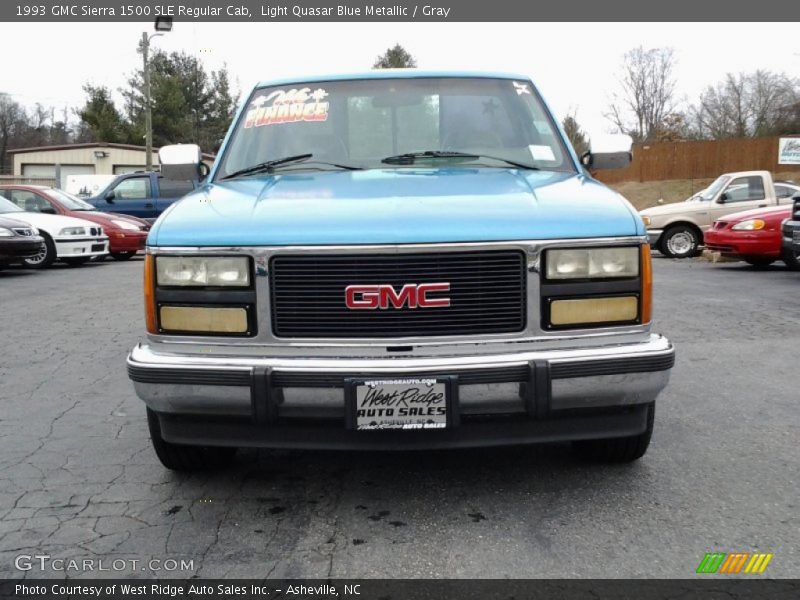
[[183, 457], [45, 257], [618, 450], [759, 262], [680, 241]]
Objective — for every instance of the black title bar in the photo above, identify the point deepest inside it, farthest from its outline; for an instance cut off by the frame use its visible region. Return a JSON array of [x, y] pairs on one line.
[[258, 11], [734, 588]]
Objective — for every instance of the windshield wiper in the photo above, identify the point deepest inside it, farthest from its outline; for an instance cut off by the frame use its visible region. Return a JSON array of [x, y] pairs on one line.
[[409, 158], [269, 166]]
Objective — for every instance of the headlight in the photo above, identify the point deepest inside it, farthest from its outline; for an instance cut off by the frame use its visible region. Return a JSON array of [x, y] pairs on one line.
[[749, 225], [203, 271], [125, 225], [585, 263], [646, 221], [72, 231], [6, 232]]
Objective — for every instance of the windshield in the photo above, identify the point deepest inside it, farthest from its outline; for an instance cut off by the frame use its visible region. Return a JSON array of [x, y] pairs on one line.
[[69, 201], [358, 123], [711, 191], [6, 206]]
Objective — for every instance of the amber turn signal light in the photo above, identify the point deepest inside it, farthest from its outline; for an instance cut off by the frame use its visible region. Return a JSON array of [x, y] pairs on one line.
[[583, 311], [203, 319], [149, 295], [647, 284]]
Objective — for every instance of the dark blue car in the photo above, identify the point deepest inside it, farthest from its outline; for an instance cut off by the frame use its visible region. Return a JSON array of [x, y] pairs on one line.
[[142, 194]]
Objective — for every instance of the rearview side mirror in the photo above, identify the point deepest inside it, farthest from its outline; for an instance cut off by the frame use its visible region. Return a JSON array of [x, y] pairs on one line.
[[609, 151], [110, 195], [180, 162], [723, 197]]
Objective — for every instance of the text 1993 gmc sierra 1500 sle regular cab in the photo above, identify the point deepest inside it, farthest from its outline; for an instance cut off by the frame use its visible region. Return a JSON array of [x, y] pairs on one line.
[[398, 260]]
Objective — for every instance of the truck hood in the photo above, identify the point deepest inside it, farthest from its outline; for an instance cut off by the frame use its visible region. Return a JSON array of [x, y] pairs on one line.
[[396, 206]]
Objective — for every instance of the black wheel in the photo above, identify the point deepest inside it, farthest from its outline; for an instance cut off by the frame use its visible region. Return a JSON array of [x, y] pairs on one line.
[[180, 457], [622, 449], [792, 259], [758, 262], [77, 262], [123, 255], [680, 241], [46, 256]]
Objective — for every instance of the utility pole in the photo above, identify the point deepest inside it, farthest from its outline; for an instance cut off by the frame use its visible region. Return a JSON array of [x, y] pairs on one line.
[[162, 24], [148, 115]]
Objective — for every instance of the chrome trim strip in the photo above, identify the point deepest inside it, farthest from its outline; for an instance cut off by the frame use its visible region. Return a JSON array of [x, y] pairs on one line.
[[360, 248], [143, 356]]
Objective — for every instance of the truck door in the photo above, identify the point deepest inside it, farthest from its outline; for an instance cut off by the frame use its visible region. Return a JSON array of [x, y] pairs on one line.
[[171, 190], [741, 193], [132, 196]]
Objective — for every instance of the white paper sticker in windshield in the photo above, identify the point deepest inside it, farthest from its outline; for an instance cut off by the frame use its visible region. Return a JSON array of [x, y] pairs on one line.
[[522, 88], [541, 152], [287, 106]]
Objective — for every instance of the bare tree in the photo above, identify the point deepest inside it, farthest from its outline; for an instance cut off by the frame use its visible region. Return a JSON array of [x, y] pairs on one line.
[[646, 94], [746, 105], [770, 93]]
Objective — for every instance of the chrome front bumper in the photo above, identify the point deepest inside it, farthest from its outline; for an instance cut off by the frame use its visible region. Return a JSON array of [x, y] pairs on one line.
[[269, 392]]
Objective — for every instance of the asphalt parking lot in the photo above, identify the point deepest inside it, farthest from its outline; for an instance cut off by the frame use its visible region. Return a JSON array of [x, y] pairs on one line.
[[78, 477]]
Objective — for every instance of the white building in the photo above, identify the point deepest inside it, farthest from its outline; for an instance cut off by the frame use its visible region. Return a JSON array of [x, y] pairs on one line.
[[53, 164]]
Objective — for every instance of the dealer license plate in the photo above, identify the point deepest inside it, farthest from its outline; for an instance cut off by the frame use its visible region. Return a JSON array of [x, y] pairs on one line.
[[98, 247], [399, 403]]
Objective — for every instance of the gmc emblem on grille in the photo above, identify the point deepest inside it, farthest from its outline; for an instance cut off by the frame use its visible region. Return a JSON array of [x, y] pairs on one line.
[[370, 297]]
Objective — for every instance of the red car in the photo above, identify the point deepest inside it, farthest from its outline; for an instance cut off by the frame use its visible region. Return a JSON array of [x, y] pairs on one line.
[[126, 234], [753, 236]]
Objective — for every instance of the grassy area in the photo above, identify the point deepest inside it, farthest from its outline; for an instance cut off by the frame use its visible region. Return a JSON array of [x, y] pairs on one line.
[[644, 195]]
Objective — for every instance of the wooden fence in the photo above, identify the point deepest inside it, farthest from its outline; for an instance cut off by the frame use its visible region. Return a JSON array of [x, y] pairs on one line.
[[698, 160]]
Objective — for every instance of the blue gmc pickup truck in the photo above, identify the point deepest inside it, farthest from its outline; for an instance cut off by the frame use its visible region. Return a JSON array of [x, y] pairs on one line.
[[397, 260]]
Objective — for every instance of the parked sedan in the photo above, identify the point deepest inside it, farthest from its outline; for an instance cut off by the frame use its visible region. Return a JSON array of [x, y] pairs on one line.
[[753, 236], [68, 239], [18, 241], [126, 234]]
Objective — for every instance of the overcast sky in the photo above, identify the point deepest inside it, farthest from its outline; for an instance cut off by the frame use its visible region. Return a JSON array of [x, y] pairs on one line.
[[574, 64]]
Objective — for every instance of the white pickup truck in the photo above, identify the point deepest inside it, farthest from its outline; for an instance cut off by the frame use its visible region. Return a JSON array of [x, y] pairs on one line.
[[676, 229]]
